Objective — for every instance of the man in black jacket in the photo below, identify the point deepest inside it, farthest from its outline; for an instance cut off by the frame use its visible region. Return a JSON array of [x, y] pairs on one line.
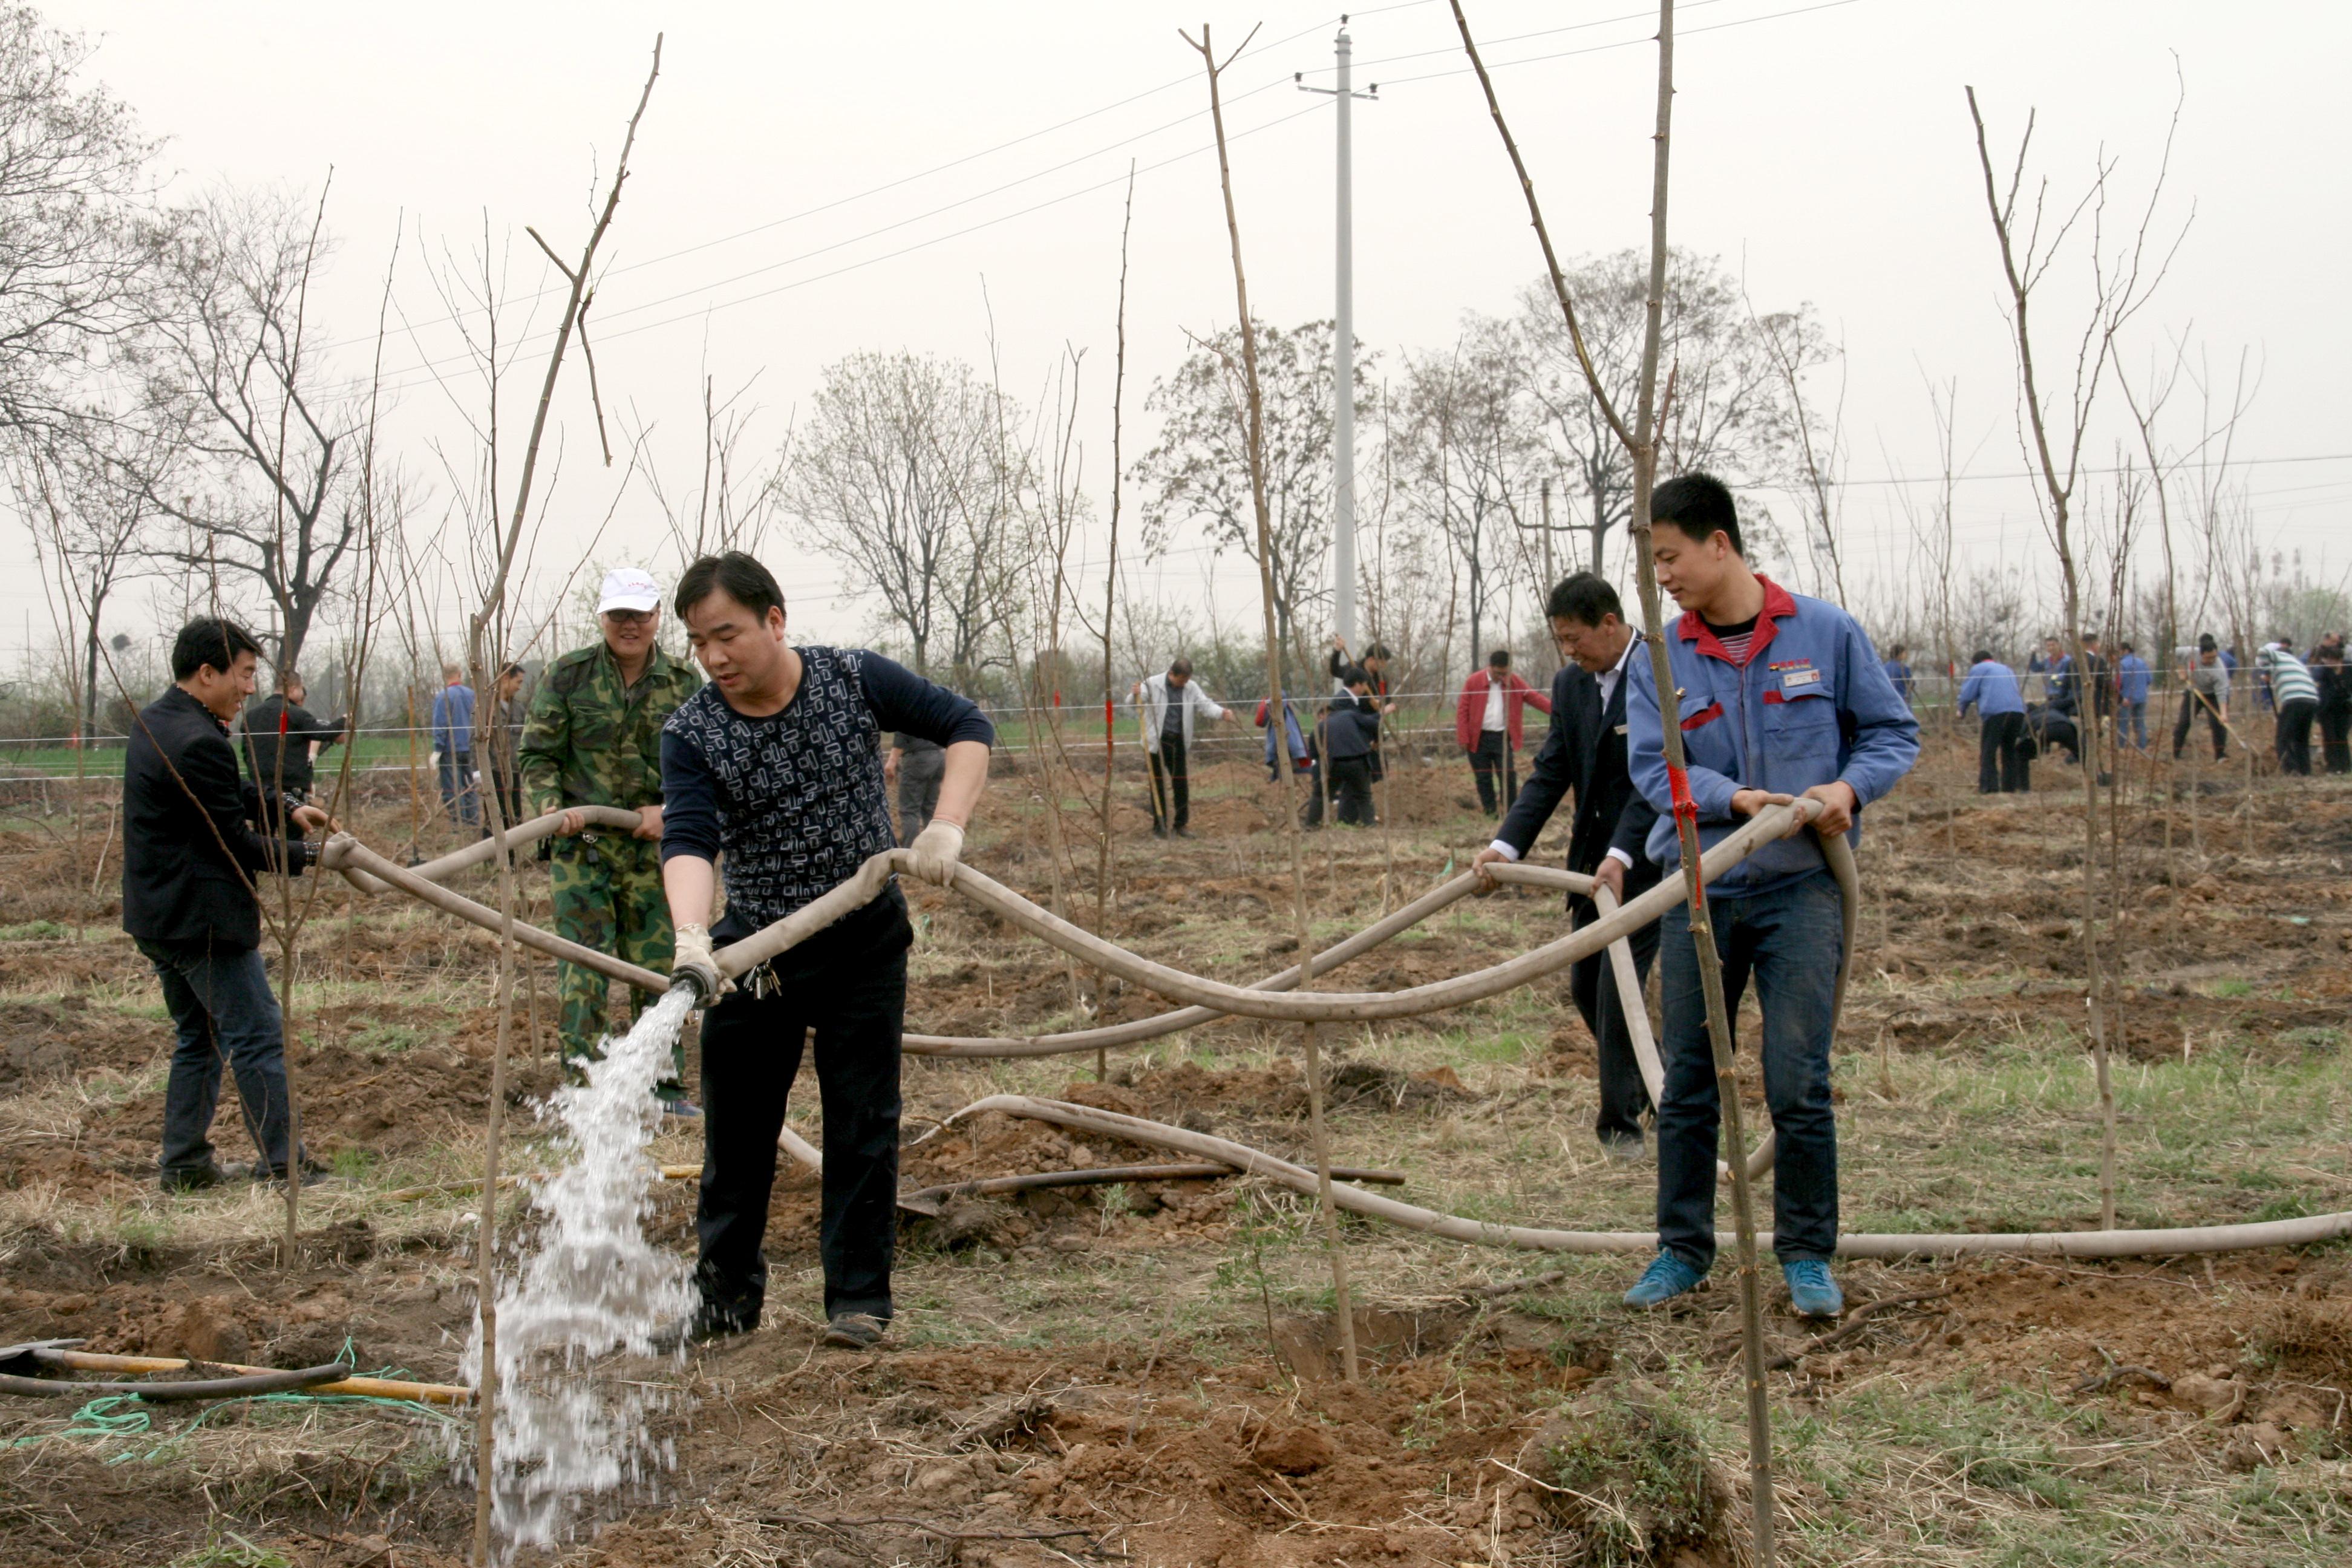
[[279, 732], [1585, 752], [190, 857]]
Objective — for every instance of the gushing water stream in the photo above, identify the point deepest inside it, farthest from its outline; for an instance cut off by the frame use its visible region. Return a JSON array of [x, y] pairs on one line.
[[570, 1427]]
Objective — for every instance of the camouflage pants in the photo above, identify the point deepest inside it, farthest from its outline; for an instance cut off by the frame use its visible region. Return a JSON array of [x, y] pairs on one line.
[[608, 896]]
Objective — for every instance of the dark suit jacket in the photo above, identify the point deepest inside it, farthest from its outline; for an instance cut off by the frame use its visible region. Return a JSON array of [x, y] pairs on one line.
[[187, 830], [1584, 750]]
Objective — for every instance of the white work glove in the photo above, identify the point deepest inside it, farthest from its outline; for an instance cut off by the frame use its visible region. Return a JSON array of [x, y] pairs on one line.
[[936, 850], [695, 965]]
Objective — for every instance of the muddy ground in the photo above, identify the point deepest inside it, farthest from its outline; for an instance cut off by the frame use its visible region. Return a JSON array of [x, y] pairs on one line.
[[1148, 1373]]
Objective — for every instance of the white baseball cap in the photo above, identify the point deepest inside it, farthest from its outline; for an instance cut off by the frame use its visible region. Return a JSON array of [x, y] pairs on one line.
[[629, 589]]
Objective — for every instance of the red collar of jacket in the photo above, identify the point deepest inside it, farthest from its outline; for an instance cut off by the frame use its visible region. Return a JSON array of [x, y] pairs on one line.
[[1777, 603]]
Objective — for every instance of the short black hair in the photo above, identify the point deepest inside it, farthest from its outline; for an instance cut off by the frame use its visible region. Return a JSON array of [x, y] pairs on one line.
[[512, 669], [1355, 675], [1583, 598], [2127, 648], [1898, 651], [2090, 638], [739, 576], [1699, 505], [1183, 667], [2205, 643], [1379, 651], [1982, 656], [212, 640], [1499, 660]]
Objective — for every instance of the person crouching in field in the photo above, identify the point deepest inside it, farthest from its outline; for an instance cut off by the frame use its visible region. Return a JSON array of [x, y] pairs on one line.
[[1781, 696], [777, 762], [190, 857]]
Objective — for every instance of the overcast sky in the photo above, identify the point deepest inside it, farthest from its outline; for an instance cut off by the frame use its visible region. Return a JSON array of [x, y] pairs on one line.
[[816, 180]]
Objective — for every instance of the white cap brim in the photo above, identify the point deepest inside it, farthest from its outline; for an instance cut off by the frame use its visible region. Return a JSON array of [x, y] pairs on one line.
[[628, 602]]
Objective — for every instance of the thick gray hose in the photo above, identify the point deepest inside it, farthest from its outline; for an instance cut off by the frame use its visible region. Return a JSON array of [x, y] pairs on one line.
[[520, 836], [2301, 1232]]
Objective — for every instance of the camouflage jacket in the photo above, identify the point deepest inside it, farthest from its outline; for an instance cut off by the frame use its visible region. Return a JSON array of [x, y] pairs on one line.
[[590, 740]]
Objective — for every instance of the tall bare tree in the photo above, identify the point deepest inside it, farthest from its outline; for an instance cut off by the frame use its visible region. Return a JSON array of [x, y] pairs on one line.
[[263, 484], [1199, 470], [78, 232], [1727, 413], [895, 477]]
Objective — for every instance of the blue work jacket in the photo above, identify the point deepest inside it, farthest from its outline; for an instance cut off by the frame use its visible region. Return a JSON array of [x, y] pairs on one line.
[[1993, 688], [1811, 705], [2132, 676]]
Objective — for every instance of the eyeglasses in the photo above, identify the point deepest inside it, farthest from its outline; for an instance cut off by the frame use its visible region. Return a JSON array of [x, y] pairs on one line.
[[631, 617]]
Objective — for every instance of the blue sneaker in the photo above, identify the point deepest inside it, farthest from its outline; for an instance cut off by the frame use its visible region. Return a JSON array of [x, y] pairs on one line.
[[1667, 1278], [1811, 1292]]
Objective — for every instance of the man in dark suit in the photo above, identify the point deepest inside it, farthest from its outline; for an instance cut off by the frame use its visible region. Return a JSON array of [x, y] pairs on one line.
[[1585, 752], [190, 859]]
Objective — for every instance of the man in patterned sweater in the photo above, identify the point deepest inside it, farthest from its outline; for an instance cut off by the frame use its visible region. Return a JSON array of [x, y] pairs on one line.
[[777, 762]]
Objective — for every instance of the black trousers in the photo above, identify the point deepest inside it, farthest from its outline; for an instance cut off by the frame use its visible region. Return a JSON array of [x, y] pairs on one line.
[[852, 991], [1592, 984], [919, 773], [2294, 735], [2003, 764], [2192, 705], [1351, 789], [2335, 739], [1171, 793], [1492, 757]]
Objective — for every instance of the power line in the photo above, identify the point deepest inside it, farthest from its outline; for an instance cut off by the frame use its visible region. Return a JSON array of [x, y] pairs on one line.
[[888, 185]]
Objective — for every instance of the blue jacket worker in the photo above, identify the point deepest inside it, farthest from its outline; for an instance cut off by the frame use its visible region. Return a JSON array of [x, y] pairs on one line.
[[776, 764], [1898, 671], [1302, 761], [1781, 696], [2133, 679], [453, 744], [2005, 752]]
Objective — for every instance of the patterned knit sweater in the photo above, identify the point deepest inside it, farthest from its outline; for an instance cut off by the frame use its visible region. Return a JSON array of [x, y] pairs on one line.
[[794, 799]]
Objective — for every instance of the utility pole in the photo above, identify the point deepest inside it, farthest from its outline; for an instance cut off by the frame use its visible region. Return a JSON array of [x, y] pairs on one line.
[[1343, 347]]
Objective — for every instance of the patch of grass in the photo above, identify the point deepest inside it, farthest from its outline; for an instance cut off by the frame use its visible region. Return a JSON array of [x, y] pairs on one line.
[[34, 930], [372, 1035], [2231, 990], [1632, 1483], [230, 1549]]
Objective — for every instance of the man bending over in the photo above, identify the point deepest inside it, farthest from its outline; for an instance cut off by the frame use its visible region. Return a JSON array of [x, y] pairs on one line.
[[777, 762]]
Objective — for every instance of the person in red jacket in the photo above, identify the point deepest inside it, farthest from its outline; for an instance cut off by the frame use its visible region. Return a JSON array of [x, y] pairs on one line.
[[1486, 722]]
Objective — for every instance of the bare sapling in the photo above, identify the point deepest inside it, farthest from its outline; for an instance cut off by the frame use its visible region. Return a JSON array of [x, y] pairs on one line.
[[2122, 284], [1110, 606], [486, 648], [1640, 441], [1343, 1310]]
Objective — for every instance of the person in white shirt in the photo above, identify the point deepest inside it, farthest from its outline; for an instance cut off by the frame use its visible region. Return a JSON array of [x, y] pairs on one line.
[[1168, 705]]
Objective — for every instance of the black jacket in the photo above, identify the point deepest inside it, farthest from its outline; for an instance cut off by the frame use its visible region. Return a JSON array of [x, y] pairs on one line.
[[190, 855], [1584, 750], [262, 744]]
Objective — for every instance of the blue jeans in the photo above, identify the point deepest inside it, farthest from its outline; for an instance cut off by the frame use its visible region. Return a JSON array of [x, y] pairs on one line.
[[458, 785], [2136, 714], [221, 1005], [1790, 940]]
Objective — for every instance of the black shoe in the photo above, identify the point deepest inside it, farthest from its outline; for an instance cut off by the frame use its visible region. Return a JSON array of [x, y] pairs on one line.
[[1158, 831], [854, 1331], [314, 1175], [196, 1178], [1184, 833]]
